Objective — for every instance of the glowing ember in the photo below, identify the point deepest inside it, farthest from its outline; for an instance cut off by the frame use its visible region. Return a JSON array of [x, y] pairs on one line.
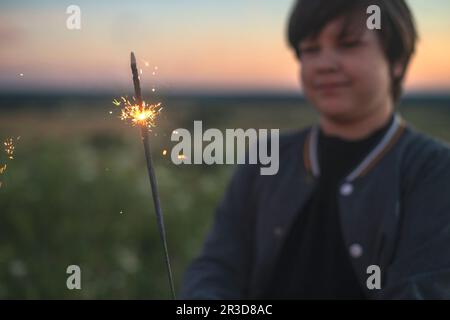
[[164, 152], [9, 148], [144, 115], [9, 151]]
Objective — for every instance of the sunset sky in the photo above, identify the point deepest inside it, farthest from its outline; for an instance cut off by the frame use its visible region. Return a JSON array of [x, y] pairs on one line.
[[196, 45]]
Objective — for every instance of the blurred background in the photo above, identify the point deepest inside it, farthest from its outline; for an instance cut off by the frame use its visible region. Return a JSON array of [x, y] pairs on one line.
[[77, 190]]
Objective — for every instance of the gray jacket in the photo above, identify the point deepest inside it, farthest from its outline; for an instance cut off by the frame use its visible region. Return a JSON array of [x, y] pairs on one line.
[[394, 211]]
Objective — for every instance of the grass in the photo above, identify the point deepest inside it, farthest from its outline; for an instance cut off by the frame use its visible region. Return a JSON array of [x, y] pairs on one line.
[[77, 192]]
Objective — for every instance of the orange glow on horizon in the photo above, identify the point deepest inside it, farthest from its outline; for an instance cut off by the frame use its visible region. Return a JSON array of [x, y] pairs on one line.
[[200, 54]]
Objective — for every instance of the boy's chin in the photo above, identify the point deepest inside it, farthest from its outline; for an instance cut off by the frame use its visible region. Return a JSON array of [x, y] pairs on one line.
[[336, 111]]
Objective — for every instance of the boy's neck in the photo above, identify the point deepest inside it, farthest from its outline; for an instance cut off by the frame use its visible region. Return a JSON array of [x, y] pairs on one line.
[[359, 128]]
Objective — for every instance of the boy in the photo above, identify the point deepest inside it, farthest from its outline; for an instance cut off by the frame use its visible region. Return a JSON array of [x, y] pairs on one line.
[[359, 190]]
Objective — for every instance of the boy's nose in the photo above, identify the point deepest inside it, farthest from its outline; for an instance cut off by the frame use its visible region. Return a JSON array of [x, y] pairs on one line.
[[327, 61]]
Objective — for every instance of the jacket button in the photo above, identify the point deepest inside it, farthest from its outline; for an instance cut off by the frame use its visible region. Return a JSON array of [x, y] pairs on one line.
[[356, 250], [346, 189], [278, 231]]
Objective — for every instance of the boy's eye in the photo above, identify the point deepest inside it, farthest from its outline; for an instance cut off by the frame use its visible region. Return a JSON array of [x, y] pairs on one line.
[[309, 49]]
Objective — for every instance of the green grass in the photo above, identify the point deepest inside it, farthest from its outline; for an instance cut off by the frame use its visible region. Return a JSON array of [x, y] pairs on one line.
[[76, 170]]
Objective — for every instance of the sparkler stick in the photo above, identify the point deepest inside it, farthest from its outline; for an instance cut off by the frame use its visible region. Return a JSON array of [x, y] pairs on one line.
[[151, 172]]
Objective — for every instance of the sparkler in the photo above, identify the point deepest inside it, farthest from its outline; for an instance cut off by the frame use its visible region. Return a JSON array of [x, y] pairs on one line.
[[143, 115]]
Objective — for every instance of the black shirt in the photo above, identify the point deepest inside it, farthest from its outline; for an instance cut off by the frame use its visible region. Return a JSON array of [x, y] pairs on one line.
[[314, 262]]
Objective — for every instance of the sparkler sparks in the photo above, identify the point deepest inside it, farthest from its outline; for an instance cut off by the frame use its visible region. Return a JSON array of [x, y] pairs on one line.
[[138, 112], [143, 115], [9, 149]]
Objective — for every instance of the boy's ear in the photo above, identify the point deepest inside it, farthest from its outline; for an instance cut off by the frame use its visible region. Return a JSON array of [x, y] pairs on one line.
[[397, 69]]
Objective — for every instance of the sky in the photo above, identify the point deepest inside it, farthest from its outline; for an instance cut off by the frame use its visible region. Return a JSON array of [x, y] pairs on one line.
[[190, 45]]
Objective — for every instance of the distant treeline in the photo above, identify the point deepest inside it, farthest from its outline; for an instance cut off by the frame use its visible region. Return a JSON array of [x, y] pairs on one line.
[[80, 100]]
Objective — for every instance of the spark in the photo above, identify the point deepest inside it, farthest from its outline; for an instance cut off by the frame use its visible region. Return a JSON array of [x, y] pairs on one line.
[[164, 152], [144, 115], [181, 156], [9, 148]]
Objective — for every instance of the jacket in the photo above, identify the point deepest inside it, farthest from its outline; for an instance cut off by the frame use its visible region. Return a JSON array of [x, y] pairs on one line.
[[394, 213]]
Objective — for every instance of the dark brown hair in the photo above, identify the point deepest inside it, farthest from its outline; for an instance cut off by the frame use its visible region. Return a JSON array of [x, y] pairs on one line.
[[397, 35]]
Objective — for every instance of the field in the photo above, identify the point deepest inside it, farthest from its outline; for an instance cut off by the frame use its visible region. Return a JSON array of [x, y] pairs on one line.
[[77, 191]]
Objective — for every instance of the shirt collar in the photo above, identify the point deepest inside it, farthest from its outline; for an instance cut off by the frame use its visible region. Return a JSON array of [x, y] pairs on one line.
[[310, 154]]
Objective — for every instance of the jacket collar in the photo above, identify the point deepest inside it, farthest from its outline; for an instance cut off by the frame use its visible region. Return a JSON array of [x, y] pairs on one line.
[[389, 139]]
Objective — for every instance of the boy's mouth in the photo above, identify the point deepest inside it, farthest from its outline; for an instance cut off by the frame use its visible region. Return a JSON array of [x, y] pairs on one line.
[[331, 85]]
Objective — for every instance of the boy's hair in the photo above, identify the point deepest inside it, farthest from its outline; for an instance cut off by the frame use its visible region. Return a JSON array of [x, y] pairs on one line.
[[397, 35]]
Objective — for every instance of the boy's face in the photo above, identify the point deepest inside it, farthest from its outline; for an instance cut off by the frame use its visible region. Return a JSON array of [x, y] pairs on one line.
[[345, 75]]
